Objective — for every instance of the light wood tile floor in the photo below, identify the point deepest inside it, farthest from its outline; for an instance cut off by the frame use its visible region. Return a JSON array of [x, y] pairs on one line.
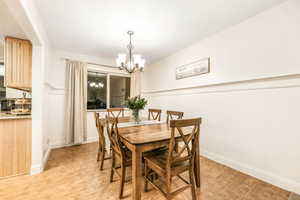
[[72, 174]]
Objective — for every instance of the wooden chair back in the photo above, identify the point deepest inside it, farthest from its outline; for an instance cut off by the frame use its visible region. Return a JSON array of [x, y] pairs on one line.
[[187, 151], [154, 114], [113, 135], [173, 115], [100, 129], [115, 112]]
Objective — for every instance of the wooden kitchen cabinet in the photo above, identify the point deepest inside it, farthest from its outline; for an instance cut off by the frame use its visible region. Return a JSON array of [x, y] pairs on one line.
[[18, 63], [15, 147]]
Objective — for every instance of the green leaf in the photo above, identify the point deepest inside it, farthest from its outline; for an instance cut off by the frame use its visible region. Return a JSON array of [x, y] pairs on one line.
[[136, 103]]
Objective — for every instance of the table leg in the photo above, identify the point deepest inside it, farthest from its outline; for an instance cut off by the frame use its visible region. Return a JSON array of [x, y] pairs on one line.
[[197, 166], [137, 178]]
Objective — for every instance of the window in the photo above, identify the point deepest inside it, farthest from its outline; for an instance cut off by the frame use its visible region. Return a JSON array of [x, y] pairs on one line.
[[119, 90], [106, 90], [97, 91]]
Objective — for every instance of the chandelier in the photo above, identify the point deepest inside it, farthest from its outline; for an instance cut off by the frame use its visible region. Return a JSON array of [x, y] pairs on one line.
[[134, 62], [94, 81]]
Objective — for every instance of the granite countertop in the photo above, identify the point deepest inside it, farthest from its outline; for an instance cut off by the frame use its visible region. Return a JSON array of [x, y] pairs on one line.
[[12, 116]]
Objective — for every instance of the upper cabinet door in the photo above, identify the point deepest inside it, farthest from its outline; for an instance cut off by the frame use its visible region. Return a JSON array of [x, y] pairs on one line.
[[17, 61]]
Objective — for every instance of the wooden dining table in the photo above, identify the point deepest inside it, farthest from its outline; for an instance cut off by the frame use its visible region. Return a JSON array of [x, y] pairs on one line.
[[145, 137]]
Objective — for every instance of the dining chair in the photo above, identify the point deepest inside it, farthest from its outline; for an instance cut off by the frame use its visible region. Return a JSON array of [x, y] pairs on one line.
[[172, 163], [115, 112], [102, 144], [119, 152], [171, 115], [154, 114]]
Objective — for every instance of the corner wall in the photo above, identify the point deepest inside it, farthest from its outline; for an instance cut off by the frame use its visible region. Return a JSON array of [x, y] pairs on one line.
[[27, 17], [249, 102], [55, 88]]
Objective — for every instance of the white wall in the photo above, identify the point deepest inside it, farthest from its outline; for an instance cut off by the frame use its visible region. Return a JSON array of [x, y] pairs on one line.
[[56, 73], [27, 17], [264, 45], [55, 94], [250, 123]]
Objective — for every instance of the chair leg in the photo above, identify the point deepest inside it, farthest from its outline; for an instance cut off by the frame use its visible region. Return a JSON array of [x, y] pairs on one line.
[[176, 147], [123, 175], [98, 155], [146, 176], [168, 190], [102, 159], [112, 167], [192, 182]]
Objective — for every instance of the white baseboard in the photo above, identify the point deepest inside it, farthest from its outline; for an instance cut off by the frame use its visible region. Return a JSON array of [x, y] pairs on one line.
[[36, 169], [61, 144], [46, 157], [268, 177], [57, 145], [90, 140], [39, 168]]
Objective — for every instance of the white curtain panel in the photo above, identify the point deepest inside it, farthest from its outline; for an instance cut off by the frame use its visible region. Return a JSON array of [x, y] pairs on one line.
[[135, 84], [75, 102]]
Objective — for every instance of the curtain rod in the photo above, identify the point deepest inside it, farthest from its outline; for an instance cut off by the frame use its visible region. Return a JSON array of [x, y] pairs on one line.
[[90, 63]]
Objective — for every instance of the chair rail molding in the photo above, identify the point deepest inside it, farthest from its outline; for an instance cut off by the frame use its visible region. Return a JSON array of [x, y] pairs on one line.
[[293, 80]]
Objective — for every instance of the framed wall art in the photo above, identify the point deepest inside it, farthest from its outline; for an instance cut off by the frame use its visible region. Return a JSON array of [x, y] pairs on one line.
[[195, 68]]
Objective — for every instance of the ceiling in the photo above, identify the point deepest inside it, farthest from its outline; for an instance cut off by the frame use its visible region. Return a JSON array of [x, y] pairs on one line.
[[98, 27], [8, 25]]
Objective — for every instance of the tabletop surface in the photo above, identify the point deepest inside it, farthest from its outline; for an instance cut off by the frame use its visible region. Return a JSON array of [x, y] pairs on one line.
[[145, 132], [148, 133]]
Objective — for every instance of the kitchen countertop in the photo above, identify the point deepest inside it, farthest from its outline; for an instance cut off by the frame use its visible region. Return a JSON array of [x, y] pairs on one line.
[[12, 116]]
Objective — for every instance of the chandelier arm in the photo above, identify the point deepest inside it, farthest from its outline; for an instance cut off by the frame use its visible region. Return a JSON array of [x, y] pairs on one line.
[[127, 70]]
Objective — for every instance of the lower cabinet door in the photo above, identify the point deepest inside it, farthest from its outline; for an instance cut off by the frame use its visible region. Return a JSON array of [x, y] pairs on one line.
[[15, 147]]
